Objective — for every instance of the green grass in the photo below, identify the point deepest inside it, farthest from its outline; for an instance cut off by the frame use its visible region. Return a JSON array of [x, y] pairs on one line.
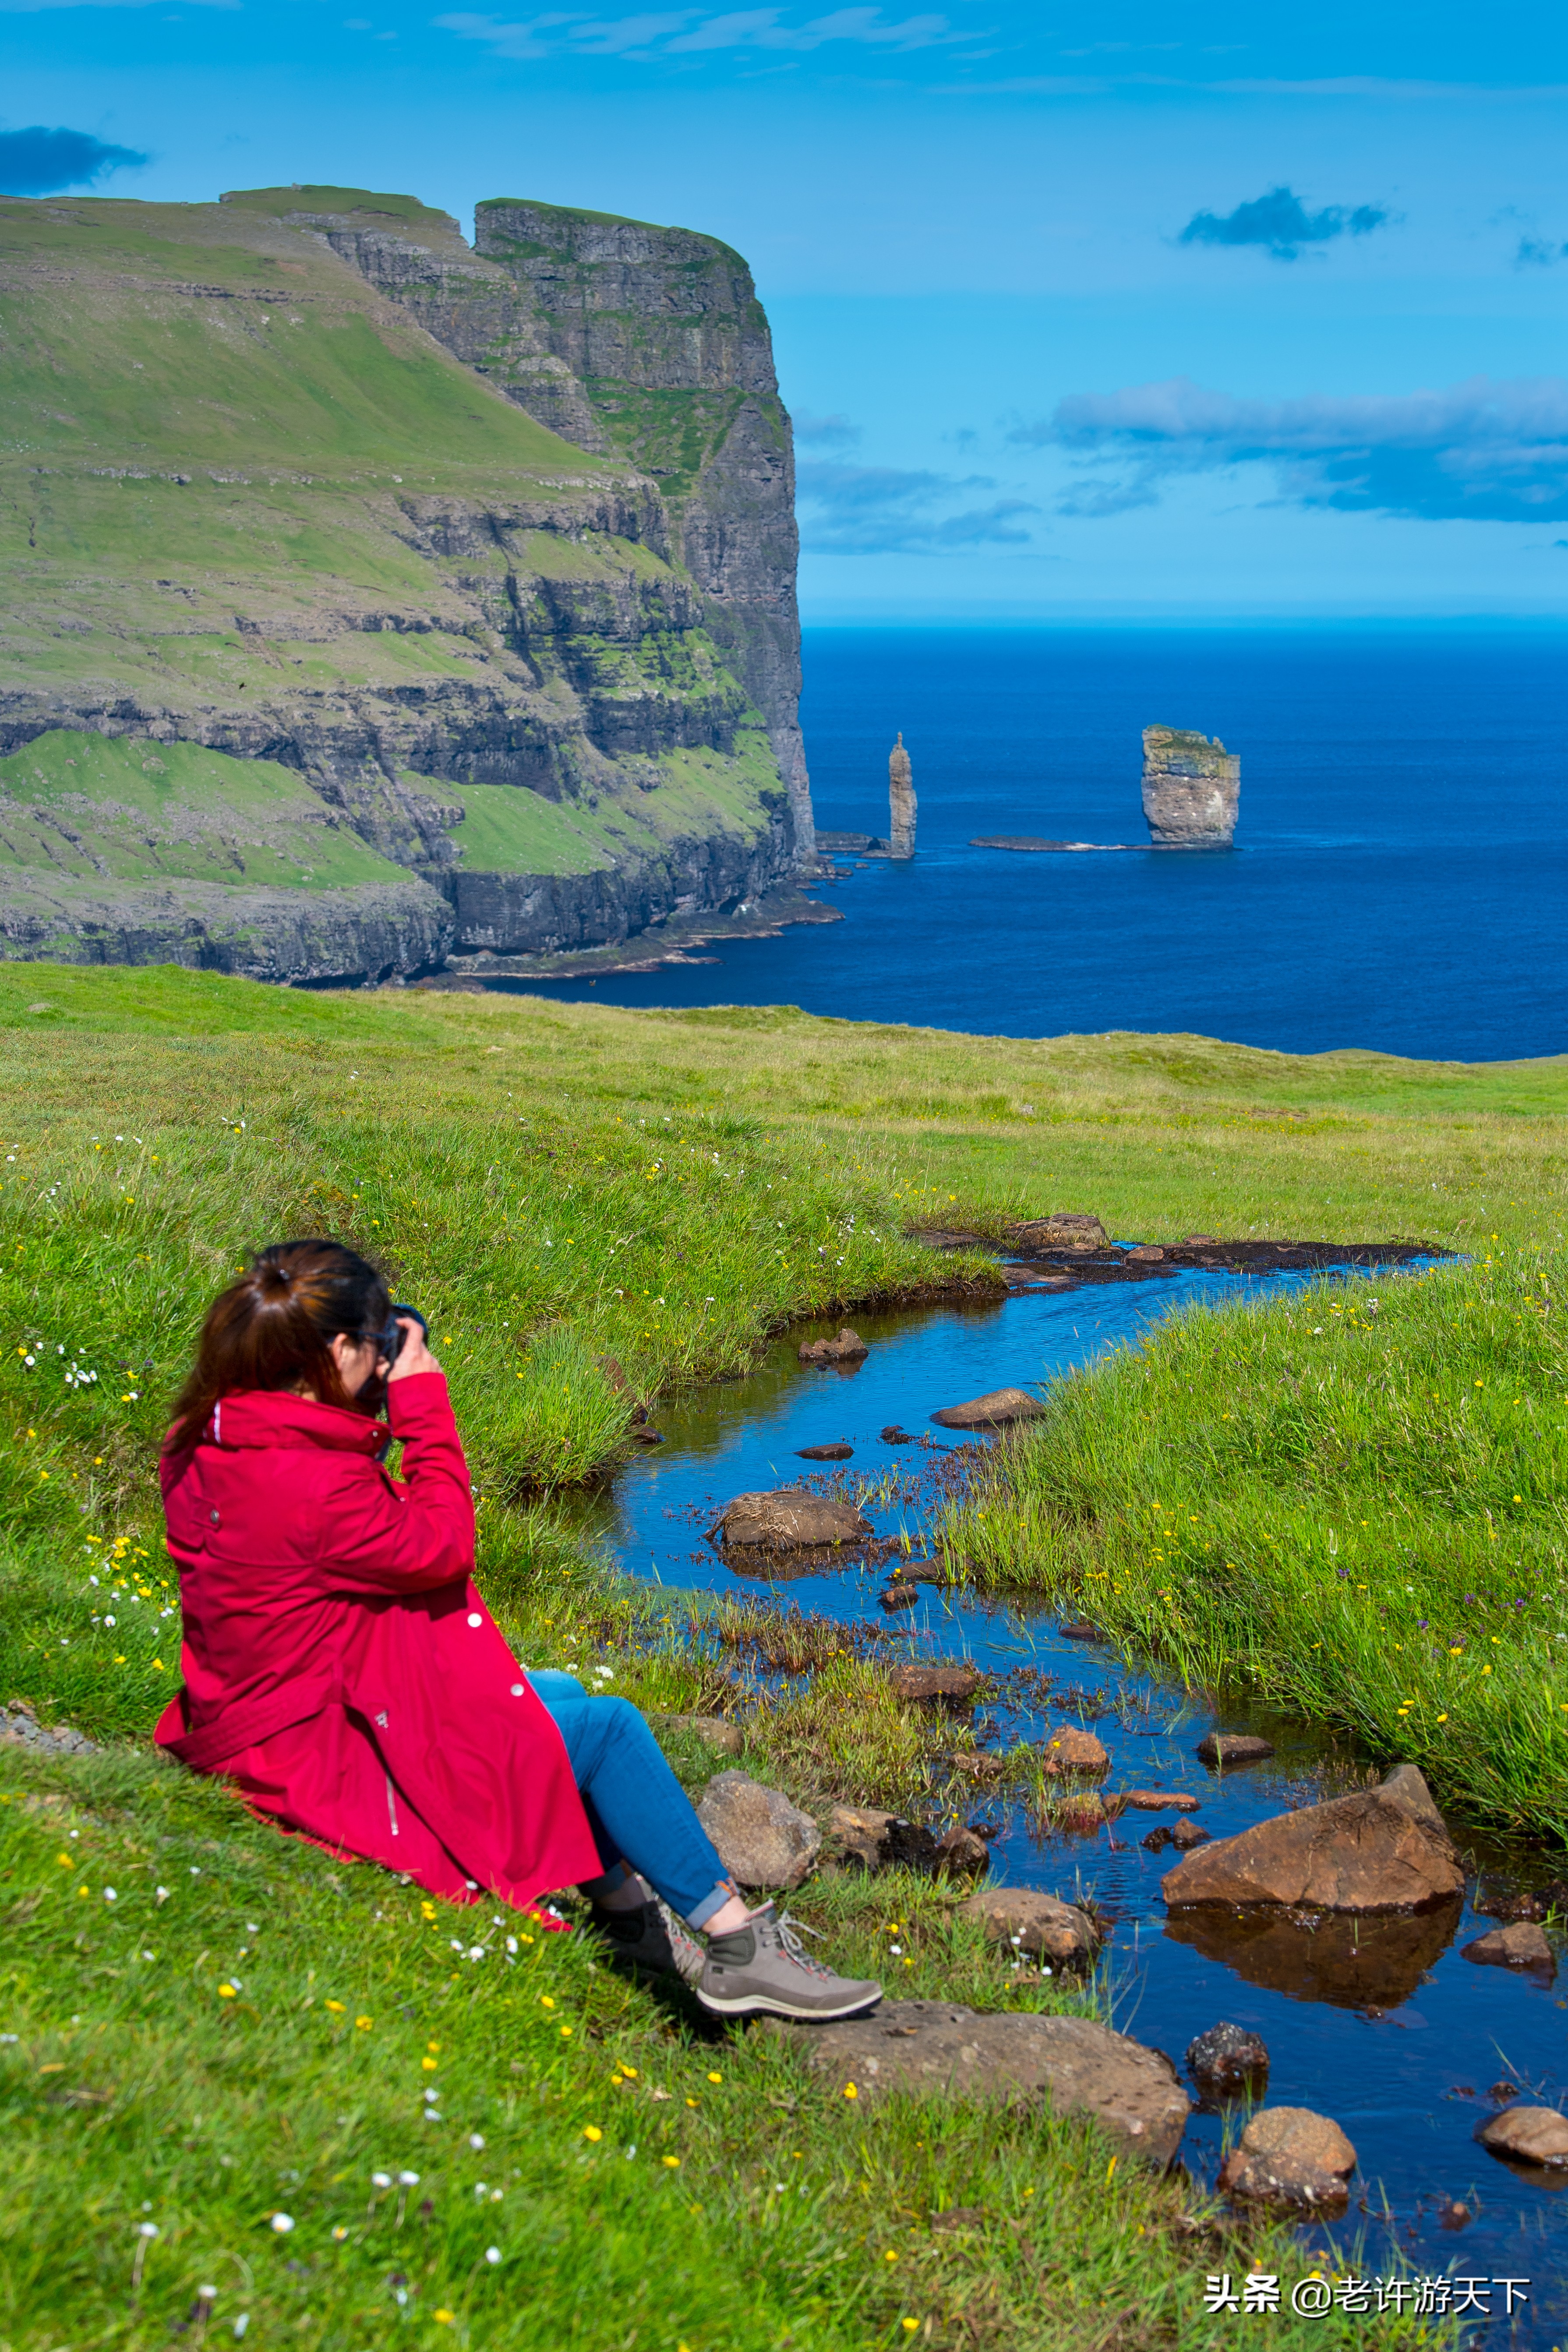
[[556, 1185], [1347, 1501], [101, 806]]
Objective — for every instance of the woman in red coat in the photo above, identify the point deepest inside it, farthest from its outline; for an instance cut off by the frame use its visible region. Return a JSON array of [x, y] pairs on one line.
[[341, 1668]]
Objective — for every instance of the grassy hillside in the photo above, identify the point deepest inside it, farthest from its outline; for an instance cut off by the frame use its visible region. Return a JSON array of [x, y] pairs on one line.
[[232, 2039]]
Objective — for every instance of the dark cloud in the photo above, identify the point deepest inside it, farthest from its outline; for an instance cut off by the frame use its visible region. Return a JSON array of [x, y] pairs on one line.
[[1280, 223], [826, 432], [880, 510], [1481, 451], [39, 162]]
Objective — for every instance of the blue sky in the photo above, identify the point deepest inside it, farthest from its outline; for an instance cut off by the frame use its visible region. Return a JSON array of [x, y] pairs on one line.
[[1086, 310]]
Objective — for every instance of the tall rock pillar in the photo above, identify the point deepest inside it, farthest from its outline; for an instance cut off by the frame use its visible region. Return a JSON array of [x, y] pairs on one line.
[[1191, 789], [900, 801]]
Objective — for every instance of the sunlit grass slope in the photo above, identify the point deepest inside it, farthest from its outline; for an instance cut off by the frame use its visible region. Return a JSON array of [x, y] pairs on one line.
[[1351, 1501], [226, 2038]]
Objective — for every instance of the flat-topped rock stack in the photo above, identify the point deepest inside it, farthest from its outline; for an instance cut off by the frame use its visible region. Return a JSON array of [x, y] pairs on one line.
[[1191, 789]]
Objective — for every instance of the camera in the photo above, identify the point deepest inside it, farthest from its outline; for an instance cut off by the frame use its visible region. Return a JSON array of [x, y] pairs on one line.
[[390, 1343]]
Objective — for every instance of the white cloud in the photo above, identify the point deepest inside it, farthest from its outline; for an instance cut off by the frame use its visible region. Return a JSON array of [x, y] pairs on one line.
[[686, 32]]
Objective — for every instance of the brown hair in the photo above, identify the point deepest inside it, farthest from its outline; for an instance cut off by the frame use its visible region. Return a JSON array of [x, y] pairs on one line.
[[275, 1327]]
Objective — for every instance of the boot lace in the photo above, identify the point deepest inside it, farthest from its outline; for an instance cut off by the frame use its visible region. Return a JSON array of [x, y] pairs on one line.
[[789, 1930]]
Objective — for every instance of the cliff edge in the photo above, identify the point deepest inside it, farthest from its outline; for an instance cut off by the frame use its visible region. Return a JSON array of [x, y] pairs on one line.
[[258, 504]]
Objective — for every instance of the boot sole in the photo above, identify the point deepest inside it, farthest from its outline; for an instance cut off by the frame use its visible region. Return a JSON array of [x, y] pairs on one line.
[[761, 2004]]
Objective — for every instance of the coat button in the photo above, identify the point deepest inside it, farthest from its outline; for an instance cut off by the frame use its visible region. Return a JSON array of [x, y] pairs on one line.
[[517, 1690], [213, 1515], [474, 1617]]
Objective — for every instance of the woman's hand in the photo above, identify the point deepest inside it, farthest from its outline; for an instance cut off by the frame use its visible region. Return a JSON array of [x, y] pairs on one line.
[[414, 1356]]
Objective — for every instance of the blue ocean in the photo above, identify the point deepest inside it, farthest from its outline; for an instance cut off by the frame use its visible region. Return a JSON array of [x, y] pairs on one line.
[[1398, 880]]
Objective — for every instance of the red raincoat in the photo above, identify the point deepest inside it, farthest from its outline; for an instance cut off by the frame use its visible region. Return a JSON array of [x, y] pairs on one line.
[[340, 1665]]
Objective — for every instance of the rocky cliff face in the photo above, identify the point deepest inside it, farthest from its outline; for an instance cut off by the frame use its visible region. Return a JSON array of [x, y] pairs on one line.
[[251, 505], [648, 343], [1191, 789]]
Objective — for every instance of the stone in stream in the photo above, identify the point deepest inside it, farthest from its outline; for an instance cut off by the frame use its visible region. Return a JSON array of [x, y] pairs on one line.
[[790, 1518], [1233, 1747], [763, 1838], [1159, 1801], [1017, 2058], [1354, 1960], [899, 1596], [1376, 1849], [962, 1852], [894, 1435], [1288, 2156], [996, 1410], [848, 1348], [838, 1451], [716, 1730], [1070, 1750], [1146, 1253], [951, 1684], [1063, 1229], [1187, 1835], [1228, 2063], [1527, 2136], [1031, 1922], [1523, 1946]]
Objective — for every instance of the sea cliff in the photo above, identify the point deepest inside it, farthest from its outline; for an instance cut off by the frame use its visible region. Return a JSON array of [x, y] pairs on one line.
[[276, 493]]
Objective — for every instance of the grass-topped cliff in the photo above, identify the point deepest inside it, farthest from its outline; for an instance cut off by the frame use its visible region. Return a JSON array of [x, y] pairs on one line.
[[215, 2027], [248, 503]]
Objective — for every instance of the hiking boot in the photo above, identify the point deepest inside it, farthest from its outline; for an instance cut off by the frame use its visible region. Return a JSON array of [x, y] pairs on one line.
[[651, 1939], [763, 1967]]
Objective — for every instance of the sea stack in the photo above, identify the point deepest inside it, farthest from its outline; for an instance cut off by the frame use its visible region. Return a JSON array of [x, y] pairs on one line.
[[901, 802], [1190, 788]]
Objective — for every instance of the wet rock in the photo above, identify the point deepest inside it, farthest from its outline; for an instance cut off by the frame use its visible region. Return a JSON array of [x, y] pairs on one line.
[[1031, 1922], [1228, 2063], [995, 1410], [909, 1845], [645, 1433], [977, 1764], [20, 1728], [1288, 2156], [837, 1452], [1159, 1801], [1146, 1253], [1157, 1841], [716, 1730], [1354, 1960], [848, 1348], [788, 1519], [950, 1684], [899, 1596], [1233, 1747], [1453, 2213], [1501, 2093], [1079, 1629], [1406, 1786], [1527, 2136], [1513, 1907], [763, 1838], [1070, 1750], [1371, 1851], [1187, 1835], [1523, 1946], [961, 1852], [1065, 1229], [894, 1435], [858, 1832], [1016, 2058]]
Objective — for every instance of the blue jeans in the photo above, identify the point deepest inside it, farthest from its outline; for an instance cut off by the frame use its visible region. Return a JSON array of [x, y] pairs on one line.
[[637, 1809]]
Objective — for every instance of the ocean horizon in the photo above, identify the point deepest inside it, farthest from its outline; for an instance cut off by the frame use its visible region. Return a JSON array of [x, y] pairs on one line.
[[1397, 882]]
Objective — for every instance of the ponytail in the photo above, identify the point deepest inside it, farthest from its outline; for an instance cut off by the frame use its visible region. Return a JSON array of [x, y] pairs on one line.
[[274, 1327]]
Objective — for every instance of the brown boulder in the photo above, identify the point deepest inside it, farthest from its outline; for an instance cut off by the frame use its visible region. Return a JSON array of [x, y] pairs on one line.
[[1146, 1253], [1159, 1801], [788, 1519], [1069, 1750], [1063, 1229], [961, 1854], [993, 1410], [1035, 1923], [848, 1348], [1288, 2156], [859, 1830], [929, 2047], [838, 1451], [1523, 1946], [1371, 1851], [1528, 2135], [1233, 1747], [898, 1596], [763, 1838], [952, 1685], [1187, 1835], [1228, 2063]]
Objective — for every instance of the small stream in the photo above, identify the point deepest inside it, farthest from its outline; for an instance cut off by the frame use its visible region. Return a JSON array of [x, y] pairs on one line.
[[1403, 2064]]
